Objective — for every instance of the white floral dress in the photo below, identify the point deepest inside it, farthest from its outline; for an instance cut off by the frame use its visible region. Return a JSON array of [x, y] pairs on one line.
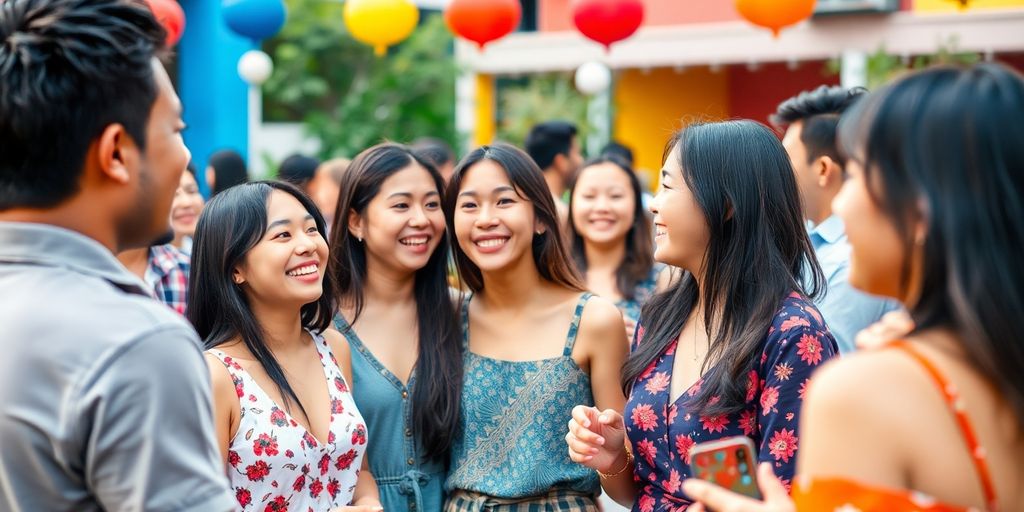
[[275, 464]]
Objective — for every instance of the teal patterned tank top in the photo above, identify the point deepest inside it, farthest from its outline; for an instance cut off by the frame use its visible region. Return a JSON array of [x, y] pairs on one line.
[[513, 423]]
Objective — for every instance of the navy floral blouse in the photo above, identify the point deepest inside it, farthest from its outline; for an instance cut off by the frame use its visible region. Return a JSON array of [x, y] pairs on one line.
[[662, 433]]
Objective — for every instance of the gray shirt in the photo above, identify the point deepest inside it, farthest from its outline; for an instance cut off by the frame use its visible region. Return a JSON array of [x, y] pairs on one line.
[[105, 400]]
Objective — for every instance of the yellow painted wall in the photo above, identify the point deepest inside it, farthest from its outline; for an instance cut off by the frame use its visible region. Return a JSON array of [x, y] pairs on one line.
[[485, 110], [953, 5], [650, 107]]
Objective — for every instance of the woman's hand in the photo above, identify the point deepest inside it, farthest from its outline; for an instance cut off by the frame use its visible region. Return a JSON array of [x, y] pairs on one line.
[[597, 439], [708, 495], [893, 326]]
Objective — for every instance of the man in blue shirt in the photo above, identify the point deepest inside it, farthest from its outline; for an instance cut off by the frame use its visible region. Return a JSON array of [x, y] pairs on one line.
[[810, 120]]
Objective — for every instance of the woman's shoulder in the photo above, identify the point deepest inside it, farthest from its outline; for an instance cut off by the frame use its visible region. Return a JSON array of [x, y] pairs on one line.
[[337, 343]]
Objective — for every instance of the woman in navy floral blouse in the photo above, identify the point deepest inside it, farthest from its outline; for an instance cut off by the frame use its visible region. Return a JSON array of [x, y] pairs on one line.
[[729, 349]]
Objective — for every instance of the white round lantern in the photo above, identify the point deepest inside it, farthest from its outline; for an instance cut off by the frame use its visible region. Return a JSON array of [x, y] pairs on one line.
[[593, 78], [255, 67]]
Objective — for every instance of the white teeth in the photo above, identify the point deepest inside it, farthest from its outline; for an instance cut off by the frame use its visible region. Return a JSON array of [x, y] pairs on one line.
[[302, 271], [492, 242], [414, 241]]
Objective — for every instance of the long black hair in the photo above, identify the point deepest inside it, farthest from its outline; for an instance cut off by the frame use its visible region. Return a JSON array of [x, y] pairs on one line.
[[943, 147], [436, 396], [743, 181], [550, 254], [639, 259], [231, 224]]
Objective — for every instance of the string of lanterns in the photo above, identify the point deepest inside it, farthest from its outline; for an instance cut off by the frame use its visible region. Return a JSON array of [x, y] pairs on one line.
[[384, 23]]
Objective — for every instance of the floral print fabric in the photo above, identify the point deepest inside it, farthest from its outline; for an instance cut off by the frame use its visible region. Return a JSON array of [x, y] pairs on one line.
[[276, 465], [661, 433]]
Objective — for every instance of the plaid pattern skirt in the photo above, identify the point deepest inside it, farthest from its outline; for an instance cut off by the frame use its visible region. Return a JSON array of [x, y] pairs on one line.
[[558, 500]]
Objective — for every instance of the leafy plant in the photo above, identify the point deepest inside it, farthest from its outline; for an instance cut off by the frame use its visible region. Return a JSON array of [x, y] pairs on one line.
[[348, 98], [526, 102], [883, 66]]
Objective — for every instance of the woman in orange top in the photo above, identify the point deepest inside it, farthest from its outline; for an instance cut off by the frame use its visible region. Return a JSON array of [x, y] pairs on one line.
[[934, 210]]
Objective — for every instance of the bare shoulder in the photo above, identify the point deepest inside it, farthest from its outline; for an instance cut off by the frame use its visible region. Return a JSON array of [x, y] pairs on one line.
[[339, 346], [220, 379], [601, 323], [867, 386]]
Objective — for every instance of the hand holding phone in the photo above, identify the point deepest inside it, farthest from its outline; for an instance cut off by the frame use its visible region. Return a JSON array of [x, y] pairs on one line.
[[730, 463]]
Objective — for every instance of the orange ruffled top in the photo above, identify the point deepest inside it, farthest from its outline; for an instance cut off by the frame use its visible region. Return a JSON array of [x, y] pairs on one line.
[[842, 495]]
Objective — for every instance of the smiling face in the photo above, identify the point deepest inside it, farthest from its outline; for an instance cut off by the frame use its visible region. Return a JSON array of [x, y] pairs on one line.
[[603, 204], [494, 225], [681, 230], [187, 205], [287, 265], [403, 224]]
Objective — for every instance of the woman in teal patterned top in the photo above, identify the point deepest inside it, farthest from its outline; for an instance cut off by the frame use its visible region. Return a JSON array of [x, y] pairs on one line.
[[534, 342], [399, 320], [611, 235]]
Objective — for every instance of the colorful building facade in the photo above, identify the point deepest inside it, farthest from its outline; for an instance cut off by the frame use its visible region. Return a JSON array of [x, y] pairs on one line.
[[700, 60]]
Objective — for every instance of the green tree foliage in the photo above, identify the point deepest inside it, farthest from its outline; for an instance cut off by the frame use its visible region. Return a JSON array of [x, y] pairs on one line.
[[348, 98], [526, 102], [883, 66]]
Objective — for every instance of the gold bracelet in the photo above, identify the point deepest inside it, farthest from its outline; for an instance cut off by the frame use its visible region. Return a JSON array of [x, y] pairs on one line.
[[629, 462]]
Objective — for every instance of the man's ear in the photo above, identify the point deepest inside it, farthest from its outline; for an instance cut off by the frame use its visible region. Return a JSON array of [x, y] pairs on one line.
[[112, 147], [560, 162], [827, 170]]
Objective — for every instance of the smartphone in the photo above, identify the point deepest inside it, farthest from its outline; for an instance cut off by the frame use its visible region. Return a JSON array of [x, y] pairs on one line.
[[729, 463]]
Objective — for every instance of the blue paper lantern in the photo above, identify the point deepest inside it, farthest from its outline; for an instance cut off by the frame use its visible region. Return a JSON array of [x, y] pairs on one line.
[[255, 19]]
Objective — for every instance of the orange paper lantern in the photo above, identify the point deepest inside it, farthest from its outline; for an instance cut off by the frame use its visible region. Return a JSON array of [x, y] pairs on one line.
[[775, 14]]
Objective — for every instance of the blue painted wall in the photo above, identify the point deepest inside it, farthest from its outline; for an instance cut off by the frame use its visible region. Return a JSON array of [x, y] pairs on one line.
[[214, 96]]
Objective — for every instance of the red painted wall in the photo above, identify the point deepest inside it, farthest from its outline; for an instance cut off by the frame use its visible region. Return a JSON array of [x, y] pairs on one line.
[[556, 15], [756, 94]]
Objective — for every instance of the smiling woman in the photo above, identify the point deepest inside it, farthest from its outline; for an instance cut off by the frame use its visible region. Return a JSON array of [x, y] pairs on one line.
[[281, 380], [611, 236], [535, 343]]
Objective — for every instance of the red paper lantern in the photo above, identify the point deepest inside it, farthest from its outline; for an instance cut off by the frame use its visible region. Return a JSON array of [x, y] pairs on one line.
[[775, 14], [607, 21], [483, 21], [171, 16]]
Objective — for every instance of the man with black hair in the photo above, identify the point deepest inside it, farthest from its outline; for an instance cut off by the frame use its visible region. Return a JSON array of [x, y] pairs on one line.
[[810, 120], [553, 145], [105, 399], [438, 152]]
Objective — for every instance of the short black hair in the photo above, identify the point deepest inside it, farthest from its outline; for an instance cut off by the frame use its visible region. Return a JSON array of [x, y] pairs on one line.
[[548, 140], [819, 110], [618, 151], [298, 169], [437, 151], [68, 69]]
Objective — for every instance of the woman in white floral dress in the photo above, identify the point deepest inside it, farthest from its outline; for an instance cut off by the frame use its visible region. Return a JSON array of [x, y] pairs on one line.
[[290, 433]]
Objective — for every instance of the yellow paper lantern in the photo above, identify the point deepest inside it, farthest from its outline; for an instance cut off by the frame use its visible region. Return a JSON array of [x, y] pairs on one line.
[[380, 23], [775, 14]]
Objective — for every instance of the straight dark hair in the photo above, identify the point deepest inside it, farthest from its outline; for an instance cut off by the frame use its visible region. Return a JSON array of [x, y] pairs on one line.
[[438, 390], [550, 254], [639, 260], [69, 69], [943, 147], [758, 253], [231, 224]]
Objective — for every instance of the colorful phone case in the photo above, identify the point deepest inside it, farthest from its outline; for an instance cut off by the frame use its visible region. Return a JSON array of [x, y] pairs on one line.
[[729, 463]]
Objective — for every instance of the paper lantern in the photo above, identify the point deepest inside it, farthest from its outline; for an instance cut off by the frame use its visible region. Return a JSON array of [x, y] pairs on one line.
[[607, 21], [775, 14], [483, 21], [255, 19], [593, 77], [380, 23], [255, 67], [171, 17]]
